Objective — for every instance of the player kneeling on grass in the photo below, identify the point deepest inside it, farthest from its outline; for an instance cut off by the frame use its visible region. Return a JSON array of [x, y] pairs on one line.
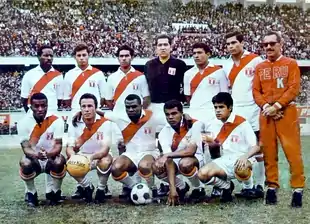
[[41, 140], [182, 154], [238, 142], [91, 137]]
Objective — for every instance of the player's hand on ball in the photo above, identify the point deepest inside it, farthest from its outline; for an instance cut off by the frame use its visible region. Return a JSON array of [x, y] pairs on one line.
[[173, 198], [242, 162]]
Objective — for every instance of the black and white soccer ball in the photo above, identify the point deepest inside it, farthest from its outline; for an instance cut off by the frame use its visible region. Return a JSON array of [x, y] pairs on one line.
[[141, 194]]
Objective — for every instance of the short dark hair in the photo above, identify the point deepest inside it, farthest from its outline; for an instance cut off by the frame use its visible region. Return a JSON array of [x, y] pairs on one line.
[[38, 96], [223, 97], [40, 50], [172, 104], [126, 48], [89, 96], [277, 34], [204, 46], [237, 34], [131, 97], [163, 36], [80, 47]]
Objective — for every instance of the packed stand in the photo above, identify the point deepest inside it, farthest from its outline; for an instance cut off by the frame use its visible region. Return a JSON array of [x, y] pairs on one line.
[[105, 25]]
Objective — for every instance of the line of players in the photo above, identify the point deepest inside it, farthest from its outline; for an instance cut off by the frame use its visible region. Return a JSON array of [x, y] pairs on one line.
[[204, 86]]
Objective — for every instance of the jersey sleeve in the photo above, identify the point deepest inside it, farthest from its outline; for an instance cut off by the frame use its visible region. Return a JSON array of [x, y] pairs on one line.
[[144, 87], [59, 129], [25, 86], [223, 81], [67, 88], [187, 84], [165, 144], [109, 90]]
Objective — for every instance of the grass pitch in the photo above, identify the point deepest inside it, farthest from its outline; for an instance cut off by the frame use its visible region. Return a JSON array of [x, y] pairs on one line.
[[14, 210]]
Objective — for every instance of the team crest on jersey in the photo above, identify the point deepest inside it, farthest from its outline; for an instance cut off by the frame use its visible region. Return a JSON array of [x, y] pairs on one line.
[[249, 72], [171, 71], [234, 138], [135, 86], [49, 135], [212, 81], [147, 130], [92, 83], [99, 135]]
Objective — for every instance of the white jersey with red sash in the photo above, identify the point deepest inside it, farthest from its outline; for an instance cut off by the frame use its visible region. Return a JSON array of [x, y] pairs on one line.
[[236, 135], [41, 135], [91, 140]]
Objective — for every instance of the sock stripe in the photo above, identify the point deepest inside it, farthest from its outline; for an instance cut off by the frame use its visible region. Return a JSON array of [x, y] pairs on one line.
[[145, 176], [60, 175], [121, 177], [27, 177], [103, 172], [193, 171]]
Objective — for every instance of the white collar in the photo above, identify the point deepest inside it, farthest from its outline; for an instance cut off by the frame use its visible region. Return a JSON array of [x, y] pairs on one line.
[[231, 118], [40, 69], [245, 53], [89, 67], [132, 69]]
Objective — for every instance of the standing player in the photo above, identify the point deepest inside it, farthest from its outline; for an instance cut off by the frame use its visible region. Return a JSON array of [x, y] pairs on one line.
[[238, 142], [276, 86], [202, 82], [82, 79], [43, 78], [240, 71], [138, 129], [182, 154], [126, 80], [164, 75], [92, 137], [41, 140]]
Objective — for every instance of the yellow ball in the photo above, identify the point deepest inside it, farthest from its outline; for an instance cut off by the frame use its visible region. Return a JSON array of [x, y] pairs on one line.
[[78, 166], [245, 173]]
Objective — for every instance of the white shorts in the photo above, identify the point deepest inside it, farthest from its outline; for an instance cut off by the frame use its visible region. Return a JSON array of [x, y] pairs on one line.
[[42, 164], [199, 157], [227, 163], [158, 111], [250, 113], [203, 115], [136, 157]]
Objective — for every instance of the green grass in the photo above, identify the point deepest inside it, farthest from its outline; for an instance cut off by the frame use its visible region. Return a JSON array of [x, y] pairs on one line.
[[14, 210]]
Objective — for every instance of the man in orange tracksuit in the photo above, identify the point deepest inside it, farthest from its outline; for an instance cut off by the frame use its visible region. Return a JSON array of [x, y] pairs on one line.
[[276, 85]]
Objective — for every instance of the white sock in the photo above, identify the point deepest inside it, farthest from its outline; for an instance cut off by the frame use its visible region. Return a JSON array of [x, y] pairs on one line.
[[136, 177], [217, 182], [179, 182], [102, 181], [29, 184], [57, 184], [49, 183], [150, 182], [248, 184], [259, 173], [299, 190], [128, 181], [85, 182], [196, 183]]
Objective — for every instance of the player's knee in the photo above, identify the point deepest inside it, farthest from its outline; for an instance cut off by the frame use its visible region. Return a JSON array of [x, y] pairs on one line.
[[57, 167], [205, 173], [104, 164], [145, 167], [28, 169], [187, 166], [117, 168]]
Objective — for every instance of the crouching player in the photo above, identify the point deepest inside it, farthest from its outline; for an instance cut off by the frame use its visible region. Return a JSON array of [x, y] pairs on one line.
[[91, 137], [41, 140], [138, 129], [182, 154], [236, 138]]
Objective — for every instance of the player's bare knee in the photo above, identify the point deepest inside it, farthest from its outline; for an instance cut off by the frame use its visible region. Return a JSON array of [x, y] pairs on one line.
[[28, 169], [117, 168], [204, 173], [186, 166], [145, 166], [156, 169], [25, 162], [56, 167], [104, 164]]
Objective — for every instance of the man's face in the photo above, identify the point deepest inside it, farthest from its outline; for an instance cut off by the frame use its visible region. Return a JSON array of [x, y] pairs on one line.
[[39, 108], [200, 56], [222, 112], [133, 108], [234, 46], [81, 57], [124, 58], [272, 46], [88, 108], [46, 58], [173, 116], [163, 48]]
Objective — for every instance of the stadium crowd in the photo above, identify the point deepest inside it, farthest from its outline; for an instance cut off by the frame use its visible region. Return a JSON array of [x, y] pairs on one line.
[[104, 25]]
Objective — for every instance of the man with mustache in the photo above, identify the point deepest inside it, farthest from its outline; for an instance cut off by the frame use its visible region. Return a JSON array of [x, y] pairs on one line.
[[275, 88]]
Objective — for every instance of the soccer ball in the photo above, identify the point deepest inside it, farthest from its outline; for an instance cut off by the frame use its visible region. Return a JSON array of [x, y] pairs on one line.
[[141, 194], [78, 166]]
